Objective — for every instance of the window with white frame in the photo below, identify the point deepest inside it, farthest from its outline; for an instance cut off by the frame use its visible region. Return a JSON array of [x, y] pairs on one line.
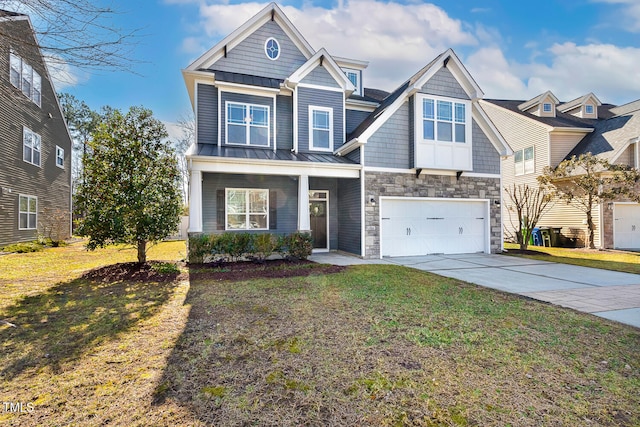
[[444, 121], [31, 147], [247, 124], [354, 77], [546, 107], [24, 77], [588, 109], [28, 212], [59, 157], [524, 161], [247, 209], [320, 128]]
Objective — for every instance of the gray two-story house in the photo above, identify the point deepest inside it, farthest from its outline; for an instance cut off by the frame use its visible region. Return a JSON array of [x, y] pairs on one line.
[[289, 139], [35, 166]]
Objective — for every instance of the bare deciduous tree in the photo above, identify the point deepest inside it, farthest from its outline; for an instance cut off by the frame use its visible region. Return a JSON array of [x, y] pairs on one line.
[[528, 204]]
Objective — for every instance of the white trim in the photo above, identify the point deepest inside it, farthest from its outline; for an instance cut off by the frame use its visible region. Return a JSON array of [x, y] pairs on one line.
[[516, 172], [195, 201], [295, 121], [277, 44], [356, 64], [431, 172], [363, 217], [326, 200], [359, 105], [275, 122], [247, 125], [245, 89], [329, 110], [58, 148], [248, 212], [220, 117], [273, 167], [320, 87], [34, 135], [304, 218], [28, 212], [358, 84], [490, 130], [333, 69]]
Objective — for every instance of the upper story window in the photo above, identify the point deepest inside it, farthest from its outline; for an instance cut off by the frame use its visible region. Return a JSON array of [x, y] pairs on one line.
[[247, 209], [354, 77], [588, 109], [247, 124], [31, 147], [28, 212], [524, 161], [59, 157], [444, 121], [546, 107], [272, 48], [320, 128], [25, 78]]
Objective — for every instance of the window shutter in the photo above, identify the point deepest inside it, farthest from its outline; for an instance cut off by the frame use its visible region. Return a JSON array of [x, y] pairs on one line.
[[220, 202], [273, 210]]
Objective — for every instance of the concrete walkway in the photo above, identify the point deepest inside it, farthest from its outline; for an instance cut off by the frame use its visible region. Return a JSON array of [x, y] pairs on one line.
[[609, 294]]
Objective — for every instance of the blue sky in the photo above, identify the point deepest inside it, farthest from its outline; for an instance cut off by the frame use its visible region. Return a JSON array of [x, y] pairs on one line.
[[514, 49]]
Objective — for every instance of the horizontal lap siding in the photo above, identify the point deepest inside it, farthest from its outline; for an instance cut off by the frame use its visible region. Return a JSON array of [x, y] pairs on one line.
[[330, 185], [284, 122], [389, 145], [485, 157], [349, 216], [561, 144], [249, 99], [319, 98], [321, 77], [354, 118], [249, 57], [287, 198], [49, 183], [443, 83], [207, 114]]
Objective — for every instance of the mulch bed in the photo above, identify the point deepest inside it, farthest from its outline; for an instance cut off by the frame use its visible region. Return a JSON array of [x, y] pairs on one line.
[[233, 271]]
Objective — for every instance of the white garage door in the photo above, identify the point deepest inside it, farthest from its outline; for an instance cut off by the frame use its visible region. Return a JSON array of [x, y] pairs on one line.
[[626, 226], [426, 226]]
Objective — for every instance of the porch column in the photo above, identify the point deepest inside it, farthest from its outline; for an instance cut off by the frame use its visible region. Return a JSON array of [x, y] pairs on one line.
[[195, 202], [304, 222]]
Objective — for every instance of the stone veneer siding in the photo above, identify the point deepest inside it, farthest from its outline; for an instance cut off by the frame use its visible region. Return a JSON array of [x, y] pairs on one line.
[[407, 185]]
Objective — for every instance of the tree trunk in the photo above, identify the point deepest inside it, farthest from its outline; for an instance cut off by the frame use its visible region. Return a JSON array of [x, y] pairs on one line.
[[591, 233], [142, 251]]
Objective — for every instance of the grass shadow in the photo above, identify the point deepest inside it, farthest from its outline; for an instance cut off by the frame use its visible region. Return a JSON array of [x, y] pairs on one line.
[[70, 318], [624, 267]]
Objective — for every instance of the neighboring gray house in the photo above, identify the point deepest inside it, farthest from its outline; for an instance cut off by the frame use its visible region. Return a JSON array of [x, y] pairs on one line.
[[544, 131], [288, 138], [35, 166]]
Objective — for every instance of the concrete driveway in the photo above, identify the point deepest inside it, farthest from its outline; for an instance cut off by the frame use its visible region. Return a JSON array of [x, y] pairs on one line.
[[609, 294]]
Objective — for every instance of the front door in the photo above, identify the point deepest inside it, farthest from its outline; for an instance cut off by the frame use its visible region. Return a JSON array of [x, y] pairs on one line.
[[319, 216]]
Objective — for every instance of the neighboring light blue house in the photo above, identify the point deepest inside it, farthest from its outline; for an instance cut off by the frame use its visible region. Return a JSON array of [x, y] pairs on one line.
[[288, 138]]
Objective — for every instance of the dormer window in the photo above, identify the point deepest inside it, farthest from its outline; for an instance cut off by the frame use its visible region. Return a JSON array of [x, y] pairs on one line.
[[588, 109], [354, 77], [546, 107]]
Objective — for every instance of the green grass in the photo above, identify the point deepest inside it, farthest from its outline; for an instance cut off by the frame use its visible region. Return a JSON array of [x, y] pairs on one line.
[[628, 262], [373, 345]]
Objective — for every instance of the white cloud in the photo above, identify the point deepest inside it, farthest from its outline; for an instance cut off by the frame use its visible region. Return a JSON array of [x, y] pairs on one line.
[[63, 76], [495, 75], [628, 16]]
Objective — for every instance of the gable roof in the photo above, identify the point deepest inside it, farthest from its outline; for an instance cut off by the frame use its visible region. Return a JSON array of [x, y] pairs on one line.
[[321, 58], [626, 108], [578, 102], [271, 12], [537, 100]]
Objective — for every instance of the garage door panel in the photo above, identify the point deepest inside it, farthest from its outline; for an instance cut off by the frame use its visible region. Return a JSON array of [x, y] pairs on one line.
[[626, 226]]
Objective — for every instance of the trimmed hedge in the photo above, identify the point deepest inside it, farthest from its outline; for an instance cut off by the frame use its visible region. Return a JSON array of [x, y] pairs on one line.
[[257, 247]]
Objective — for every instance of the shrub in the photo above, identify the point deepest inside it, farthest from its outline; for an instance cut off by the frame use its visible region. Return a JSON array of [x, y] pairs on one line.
[[300, 245], [23, 248], [264, 245], [199, 248]]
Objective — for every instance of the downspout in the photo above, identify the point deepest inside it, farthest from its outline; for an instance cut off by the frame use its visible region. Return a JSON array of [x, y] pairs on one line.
[[295, 115]]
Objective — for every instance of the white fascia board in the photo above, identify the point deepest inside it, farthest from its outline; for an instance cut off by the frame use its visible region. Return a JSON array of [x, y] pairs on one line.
[[349, 147], [246, 29], [356, 104], [249, 90], [351, 63], [490, 130], [334, 70], [546, 127], [572, 130], [272, 167], [463, 76], [191, 78]]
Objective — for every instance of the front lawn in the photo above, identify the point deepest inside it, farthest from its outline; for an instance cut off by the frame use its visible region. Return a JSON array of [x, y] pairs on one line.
[[627, 262], [369, 345]]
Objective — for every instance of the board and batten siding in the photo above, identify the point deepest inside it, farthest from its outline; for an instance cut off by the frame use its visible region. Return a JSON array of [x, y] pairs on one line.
[[249, 56], [48, 182], [389, 146], [286, 199], [443, 83], [319, 98], [207, 108], [330, 185], [349, 216], [561, 144], [244, 98], [321, 77]]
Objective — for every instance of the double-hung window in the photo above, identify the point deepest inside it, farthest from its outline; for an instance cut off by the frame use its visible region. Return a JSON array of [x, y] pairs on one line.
[[444, 121], [247, 124], [354, 77], [28, 212], [31, 147], [24, 77], [524, 161], [321, 128], [60, 157], [247, 209]]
